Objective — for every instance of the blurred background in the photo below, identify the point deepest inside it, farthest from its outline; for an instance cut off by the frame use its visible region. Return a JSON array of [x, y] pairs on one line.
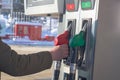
[[18, 28], [26, 34]]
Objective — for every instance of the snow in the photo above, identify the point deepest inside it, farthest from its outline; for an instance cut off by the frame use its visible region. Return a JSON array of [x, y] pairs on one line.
[[26, 41], [29, 23]]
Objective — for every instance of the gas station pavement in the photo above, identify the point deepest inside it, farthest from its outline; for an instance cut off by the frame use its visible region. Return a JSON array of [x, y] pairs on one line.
[[45, 75]]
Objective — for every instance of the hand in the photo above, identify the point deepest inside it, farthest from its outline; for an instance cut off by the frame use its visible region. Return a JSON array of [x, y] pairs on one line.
[[59, 52]]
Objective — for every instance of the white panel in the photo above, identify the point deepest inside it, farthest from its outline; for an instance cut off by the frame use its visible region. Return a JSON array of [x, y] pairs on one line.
[[43, 7]]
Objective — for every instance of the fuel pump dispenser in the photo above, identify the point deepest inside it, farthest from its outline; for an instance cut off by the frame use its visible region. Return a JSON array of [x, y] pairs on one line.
[[83, 16]]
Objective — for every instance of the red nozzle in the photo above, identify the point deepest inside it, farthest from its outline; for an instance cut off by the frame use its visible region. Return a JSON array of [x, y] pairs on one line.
[[62, 38]]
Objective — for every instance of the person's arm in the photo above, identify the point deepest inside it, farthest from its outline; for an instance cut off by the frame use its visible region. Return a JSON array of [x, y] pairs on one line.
[[19, 65]]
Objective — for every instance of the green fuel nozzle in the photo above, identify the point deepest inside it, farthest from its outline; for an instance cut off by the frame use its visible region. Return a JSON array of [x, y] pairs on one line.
[[78, 40]]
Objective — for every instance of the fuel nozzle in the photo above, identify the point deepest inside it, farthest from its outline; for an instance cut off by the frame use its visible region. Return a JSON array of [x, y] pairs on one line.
[[78, 40], [62, 39]]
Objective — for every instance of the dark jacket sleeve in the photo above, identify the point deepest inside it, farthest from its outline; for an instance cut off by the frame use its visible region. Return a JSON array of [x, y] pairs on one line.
[[19, 65]]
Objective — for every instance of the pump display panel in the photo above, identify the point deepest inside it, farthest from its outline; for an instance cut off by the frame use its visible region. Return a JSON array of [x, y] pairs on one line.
[[44, 7], [32, 3]]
